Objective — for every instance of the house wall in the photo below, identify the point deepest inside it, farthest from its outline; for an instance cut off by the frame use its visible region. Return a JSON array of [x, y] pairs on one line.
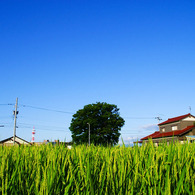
[[161, 140], [180, 125], [10, 144], [183, 137], [168, 127], [170, 139], [184, 124], [191, 132]]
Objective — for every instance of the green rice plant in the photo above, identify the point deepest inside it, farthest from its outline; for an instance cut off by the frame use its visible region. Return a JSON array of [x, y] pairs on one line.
[[47, 169]]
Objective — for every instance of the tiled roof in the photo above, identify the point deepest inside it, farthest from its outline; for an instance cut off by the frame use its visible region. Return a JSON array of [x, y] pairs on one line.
[[151, 135], [171, 120], [157, 134], [16, 140]]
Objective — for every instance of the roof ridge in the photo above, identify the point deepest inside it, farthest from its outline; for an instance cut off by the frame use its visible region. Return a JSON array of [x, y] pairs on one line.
[[180, 116], [158, 134], [174, 119]]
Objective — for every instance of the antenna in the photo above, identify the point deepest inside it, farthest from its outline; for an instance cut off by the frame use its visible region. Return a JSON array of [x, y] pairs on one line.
[[158, 118], [33, 135], [190, 109]]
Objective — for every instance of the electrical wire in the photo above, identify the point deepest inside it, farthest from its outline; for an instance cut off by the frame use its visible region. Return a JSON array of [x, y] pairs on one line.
[[6, 104], [46, 109], [30, 124], [127, 117], [40, 129], [38, 126], [66, 112], [10, 116], [6, 122]]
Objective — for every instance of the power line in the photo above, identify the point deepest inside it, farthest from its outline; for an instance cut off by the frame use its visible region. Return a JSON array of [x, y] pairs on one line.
[[127, 117], [66, 112], [6, 104], [47, 126], [7, 122], [52, 130], [28, 125], [6, 117], [45, 129], [39, 108], [132, 130], [129, 133], [46, 109]]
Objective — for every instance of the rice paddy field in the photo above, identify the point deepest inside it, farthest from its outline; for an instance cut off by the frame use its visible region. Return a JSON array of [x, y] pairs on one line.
[[47, 169]]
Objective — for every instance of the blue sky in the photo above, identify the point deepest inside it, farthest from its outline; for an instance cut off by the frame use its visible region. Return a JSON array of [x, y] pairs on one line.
[[62, 55]]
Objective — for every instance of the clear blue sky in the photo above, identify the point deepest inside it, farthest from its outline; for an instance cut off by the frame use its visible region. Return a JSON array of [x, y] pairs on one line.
[[62, 55]]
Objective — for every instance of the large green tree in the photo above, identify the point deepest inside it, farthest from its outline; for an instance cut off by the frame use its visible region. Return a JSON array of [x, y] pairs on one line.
[[105, 124]]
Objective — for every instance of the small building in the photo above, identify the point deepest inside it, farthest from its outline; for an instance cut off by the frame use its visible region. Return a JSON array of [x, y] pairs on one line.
[[18, 141], [179, 128], [55, 142], [191, 138]]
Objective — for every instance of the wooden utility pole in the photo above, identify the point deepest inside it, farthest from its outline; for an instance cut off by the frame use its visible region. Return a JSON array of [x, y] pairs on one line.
[[15, 118]]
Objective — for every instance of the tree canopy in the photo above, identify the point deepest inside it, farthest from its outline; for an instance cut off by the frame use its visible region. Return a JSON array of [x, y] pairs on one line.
[[105, 124]]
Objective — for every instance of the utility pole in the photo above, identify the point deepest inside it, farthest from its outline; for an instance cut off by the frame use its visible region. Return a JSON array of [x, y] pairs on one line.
[[15, 118], [89, 133]]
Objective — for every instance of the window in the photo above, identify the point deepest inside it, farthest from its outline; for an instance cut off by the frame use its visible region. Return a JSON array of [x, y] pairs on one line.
[[174, 128], [163, 129]]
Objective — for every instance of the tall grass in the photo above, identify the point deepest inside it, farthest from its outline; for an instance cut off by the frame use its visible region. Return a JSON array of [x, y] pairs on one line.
[[123, 170]]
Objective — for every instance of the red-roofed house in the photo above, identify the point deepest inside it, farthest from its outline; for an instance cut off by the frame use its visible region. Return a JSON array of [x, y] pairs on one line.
[[176, 128]]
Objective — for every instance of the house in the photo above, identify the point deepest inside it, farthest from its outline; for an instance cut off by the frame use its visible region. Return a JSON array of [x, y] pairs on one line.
[[18, 141], [179, 128]]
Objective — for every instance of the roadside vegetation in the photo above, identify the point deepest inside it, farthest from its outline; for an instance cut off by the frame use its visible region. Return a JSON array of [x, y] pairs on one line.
[[47, 169]]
